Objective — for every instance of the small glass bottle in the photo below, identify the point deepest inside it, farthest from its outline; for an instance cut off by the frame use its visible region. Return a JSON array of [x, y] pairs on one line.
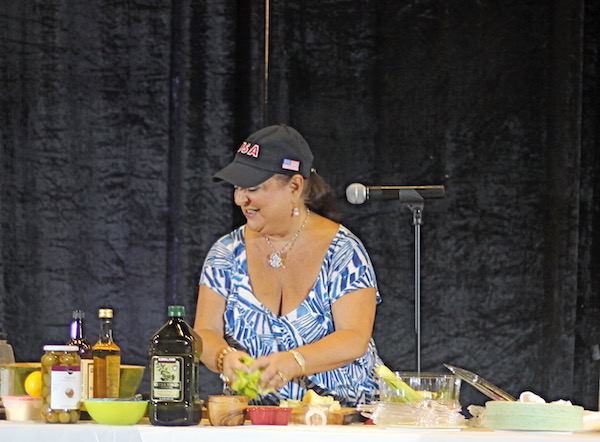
[[79, 339], [107, 358], [175, 352], [61, 384]]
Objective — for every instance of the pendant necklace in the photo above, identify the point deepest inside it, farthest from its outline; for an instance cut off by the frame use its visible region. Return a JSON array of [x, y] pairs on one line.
[[276, 258]]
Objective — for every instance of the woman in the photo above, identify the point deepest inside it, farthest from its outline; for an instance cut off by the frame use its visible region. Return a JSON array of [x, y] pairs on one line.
[[291, 288]]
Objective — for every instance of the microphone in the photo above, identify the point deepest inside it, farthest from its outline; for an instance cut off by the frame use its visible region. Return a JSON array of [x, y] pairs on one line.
[[357, 193]]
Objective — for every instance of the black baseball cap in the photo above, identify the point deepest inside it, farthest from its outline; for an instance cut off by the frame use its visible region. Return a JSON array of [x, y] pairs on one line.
[[271, 150]]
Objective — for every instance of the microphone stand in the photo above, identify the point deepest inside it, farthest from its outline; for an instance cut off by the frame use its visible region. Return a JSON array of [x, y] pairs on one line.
[[415, 203]]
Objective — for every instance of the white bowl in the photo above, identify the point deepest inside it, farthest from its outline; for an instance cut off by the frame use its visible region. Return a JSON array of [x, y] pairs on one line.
[[22, 408]]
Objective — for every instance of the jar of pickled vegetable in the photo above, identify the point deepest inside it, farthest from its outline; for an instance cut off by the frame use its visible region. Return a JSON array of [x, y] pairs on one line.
[[61, 384]]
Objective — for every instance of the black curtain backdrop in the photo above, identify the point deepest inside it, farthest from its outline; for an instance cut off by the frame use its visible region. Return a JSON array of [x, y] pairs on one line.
[[114, 115]]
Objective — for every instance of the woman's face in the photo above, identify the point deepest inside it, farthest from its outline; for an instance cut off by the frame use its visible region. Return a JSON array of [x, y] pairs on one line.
[[268, 206]]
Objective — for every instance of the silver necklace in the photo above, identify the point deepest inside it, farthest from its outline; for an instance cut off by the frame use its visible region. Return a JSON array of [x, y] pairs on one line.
[[276, 258]]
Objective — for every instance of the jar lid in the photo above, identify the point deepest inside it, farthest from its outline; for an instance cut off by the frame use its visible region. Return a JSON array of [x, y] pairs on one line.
[[176, 311], [61, 348], [21, 398]]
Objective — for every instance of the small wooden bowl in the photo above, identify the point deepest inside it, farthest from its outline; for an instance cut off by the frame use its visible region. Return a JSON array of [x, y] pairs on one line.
[[226, 410]]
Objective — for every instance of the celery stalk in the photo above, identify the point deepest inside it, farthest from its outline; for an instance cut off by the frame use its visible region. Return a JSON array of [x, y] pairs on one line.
[[405, 393]]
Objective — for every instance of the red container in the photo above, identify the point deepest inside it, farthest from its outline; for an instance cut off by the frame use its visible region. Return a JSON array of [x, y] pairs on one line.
[[269, 415]]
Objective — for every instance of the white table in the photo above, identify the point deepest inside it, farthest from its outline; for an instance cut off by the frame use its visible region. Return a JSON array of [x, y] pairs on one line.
[[92, 432]]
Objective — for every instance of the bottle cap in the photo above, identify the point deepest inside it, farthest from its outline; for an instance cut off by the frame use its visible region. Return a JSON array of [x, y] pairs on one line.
[[78, 314], [176, 311], [105, 313], [61, 348]]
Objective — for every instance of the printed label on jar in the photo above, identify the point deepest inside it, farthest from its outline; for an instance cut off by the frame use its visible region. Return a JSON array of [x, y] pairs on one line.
[[166, 378], [65, 385]]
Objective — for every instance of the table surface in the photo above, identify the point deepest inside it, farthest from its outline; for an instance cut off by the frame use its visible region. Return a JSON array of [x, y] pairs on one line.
[[89, 431]]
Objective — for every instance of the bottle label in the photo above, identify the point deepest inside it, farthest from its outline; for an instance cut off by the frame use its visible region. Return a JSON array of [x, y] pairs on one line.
[[113, 375], [87, 379], [65, 387], [107, 375], [166, 378]]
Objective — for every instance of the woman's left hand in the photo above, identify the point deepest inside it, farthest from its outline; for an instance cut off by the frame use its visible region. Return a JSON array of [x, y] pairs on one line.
[[278, 369]]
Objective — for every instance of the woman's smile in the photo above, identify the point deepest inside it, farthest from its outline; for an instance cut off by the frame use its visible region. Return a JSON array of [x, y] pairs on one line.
[[250, 213]]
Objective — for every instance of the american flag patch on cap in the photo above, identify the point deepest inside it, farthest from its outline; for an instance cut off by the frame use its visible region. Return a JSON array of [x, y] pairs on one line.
[[290, 165]]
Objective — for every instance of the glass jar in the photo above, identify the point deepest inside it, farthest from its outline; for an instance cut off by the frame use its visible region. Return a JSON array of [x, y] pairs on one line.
[[61, 384]]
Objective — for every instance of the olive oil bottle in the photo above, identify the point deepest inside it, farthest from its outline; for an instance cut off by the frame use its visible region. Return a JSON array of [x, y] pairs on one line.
[[107, 358], [175, 352]]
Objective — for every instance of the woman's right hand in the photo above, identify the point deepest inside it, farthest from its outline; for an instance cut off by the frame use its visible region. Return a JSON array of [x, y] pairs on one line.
[[231, 362]]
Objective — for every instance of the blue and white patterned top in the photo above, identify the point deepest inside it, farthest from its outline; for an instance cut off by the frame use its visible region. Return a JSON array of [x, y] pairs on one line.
[[257, 330]]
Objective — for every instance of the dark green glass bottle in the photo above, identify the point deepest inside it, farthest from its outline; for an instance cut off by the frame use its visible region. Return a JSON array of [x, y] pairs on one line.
[[174, 372]]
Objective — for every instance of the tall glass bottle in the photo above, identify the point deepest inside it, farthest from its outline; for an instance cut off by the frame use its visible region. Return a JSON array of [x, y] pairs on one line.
[[7, 356], [78, 338], [107, 358], [175, 352]]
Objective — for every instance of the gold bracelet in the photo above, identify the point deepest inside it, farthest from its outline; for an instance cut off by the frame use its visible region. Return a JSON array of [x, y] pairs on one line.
[[300, 360], [224, 352]]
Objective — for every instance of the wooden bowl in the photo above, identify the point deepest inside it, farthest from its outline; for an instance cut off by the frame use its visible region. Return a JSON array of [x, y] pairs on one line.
[[226, 410]]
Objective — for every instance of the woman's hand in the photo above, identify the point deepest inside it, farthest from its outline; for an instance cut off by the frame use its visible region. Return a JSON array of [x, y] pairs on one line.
[[279, 369], [231, 362]]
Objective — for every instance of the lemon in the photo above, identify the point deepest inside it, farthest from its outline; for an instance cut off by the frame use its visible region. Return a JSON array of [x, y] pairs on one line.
[[33, 384]]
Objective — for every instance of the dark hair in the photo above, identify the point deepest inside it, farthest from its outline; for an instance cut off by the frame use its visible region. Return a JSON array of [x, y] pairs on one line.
[[318, 196]]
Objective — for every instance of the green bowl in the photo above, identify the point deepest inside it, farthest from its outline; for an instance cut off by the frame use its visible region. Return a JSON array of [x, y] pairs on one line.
[[131, 377], [109, 411]]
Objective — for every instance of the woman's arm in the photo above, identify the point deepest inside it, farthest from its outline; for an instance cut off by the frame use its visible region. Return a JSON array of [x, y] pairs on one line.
[[210, 326], [353, 315]]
